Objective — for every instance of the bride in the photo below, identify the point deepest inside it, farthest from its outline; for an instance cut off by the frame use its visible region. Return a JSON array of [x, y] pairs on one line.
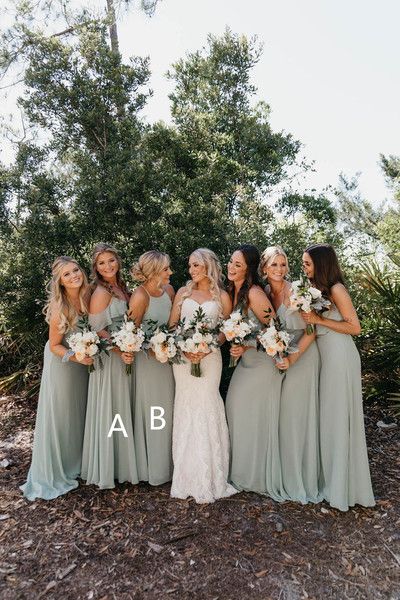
[[200, 439]]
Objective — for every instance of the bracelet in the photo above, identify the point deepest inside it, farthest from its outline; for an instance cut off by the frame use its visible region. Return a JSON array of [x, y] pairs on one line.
[[67, 356]]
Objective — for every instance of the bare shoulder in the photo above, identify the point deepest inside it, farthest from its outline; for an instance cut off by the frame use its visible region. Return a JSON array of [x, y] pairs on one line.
[[339, 292], [100, 299], [170, 290], [256, 294]]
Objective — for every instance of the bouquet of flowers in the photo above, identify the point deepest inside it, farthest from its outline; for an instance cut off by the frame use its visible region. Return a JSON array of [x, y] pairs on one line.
[[307, 298], [163, 343], [198, 336], [275, 341], [239, 330], [129, 338], [87, 343]]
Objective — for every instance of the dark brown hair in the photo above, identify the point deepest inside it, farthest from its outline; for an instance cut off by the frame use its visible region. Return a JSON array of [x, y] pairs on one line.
[[326, 267], [251, 257]]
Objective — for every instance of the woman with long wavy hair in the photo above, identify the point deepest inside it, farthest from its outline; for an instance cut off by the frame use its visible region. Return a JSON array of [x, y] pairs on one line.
[[60, 419], [298, 415], [200, 435], [252, 403], [109, 448]]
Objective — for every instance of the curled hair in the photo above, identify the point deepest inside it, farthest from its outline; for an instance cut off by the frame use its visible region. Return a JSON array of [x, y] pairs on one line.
[[268, 256], [58, 302], [213, 268], [327, 271], [251, 257], [97, 279], [149, 265]]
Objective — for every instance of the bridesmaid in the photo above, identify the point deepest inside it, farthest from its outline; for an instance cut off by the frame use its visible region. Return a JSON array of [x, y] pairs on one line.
[[298, 416], [153, 382], [60, 420], [108, 454], [345, 477], [252, 404]]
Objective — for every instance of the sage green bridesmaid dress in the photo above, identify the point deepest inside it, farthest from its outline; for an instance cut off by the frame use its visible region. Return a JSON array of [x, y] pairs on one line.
[[60, 422], [153, 385], [252, 410], [109, 458], [345, 476], [299, 418]]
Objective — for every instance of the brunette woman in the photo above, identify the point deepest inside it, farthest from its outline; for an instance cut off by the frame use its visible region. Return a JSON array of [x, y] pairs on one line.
[[345, 477]]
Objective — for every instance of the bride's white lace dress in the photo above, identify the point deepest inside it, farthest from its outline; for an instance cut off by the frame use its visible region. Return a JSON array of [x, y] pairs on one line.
[[200, 439]]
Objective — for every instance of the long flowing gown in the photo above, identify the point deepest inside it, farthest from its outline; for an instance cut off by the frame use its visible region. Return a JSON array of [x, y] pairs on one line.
[[345, 476], [299, 417], [60, 421], [153, 385], [200, 434], [252, 409], [106, 457]]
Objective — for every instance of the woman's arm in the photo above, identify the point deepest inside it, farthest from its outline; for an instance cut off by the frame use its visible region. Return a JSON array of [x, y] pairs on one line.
[[99, 301], [55, 342], [176, 308], [138, 305], [350, 324]]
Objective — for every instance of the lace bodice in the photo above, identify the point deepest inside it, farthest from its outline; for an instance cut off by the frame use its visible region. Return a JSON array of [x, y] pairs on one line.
[[190, 306]]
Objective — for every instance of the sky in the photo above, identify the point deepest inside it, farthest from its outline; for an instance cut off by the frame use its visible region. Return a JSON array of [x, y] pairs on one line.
[[329, 71]]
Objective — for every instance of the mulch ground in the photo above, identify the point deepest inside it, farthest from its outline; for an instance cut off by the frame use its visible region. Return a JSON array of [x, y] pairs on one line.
[[135, 542]]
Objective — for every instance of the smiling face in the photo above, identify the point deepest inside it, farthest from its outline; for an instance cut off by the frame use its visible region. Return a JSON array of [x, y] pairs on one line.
[[276, 269], [164, 275], [308, 265], [107, 265], [71, 276], [197, 270], [237, 267]]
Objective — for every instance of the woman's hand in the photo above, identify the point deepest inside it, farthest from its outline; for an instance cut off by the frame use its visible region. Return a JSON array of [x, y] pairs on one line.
[[283, 364], [86, 360], [311, 318], [238, 351], [196, 357], [127, 357]]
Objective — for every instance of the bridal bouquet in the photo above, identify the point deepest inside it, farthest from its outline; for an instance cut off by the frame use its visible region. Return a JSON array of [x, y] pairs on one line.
[[307, 298], [239, 330], [196, 337], [129, 338], [275, 341], [87, 343], [163, 343]]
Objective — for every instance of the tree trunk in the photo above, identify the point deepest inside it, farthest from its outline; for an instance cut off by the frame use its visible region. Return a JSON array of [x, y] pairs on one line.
[[112, 26]]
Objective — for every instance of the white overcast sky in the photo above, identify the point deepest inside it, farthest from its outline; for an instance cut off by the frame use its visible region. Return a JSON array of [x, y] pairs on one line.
[[329, 71]]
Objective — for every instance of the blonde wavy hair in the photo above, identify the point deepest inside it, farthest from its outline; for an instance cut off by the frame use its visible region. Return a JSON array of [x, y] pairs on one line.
[[95, 277], [57, 300], [268, 256], [213, 268], [149, 265]]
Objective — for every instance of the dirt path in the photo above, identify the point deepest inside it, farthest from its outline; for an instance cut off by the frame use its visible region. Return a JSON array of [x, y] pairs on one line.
[[134, 542]]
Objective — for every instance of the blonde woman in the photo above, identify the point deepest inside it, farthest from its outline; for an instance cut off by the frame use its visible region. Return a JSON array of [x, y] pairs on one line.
[[153, 381], [109, 448], [200, 433], [298, 413], [60, 419]]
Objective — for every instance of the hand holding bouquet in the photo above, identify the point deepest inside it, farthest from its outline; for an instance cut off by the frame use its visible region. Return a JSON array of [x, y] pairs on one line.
[[239, 330], [199, 337], [129, 338], [163, 343], [307, 298], [87, 344], [275, 341]]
